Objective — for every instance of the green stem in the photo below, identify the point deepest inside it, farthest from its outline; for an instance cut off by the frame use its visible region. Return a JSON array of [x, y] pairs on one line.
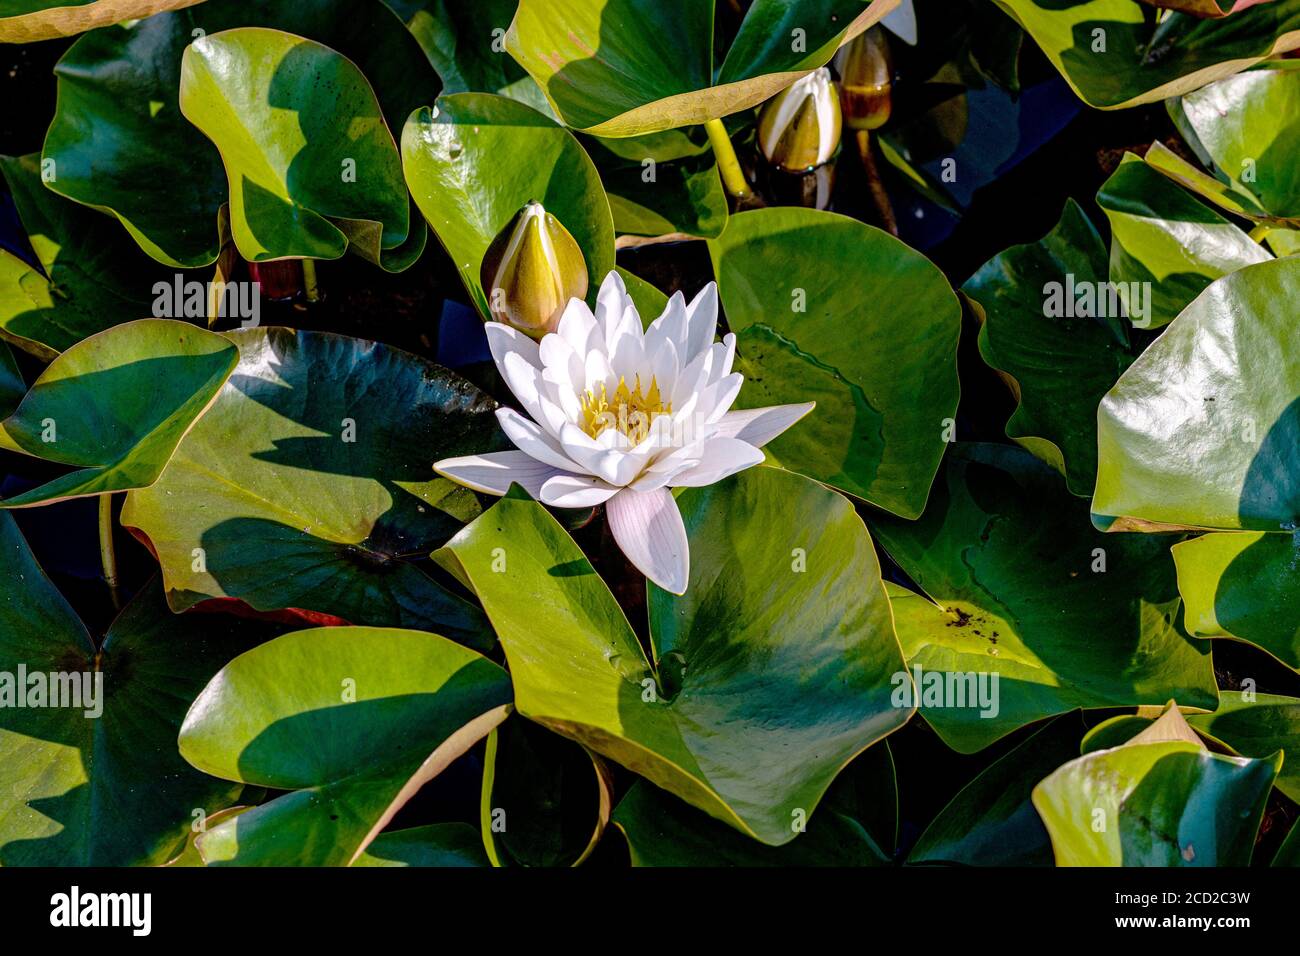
[[1261, 231], [733, 177], [107, 556], [312, 293]]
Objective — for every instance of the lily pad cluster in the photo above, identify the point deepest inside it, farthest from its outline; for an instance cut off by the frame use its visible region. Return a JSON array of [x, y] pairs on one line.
[[1038, 511]]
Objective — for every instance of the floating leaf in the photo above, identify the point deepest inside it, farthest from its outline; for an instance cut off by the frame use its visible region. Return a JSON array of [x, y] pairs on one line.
[[991, 821], [107, 790], [1164, 238], [312, 167], [1246, 586], [118, 139], [462, 163], [545, 799], [46, 19], [1051, 329], [309, 484], [88, 279], [809, 628], [605, 68], [116, 405], [1113, 55], [439, 844], [352, 720], [1021, 589], [1203, 430], [1170, 803], [803, 290]]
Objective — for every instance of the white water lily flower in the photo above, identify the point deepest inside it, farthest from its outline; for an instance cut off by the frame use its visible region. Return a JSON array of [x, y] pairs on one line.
[[618, 416]]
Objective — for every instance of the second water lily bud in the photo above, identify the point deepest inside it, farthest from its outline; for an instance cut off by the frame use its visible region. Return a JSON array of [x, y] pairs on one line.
[[866, 74], [531, 271], [799, 128]]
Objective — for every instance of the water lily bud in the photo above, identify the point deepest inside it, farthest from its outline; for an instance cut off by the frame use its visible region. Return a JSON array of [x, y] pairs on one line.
[[866, 75], [531, 271], [800, 126]]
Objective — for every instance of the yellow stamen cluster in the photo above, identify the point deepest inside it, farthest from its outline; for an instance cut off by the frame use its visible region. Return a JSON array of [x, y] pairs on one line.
[[629, 410]]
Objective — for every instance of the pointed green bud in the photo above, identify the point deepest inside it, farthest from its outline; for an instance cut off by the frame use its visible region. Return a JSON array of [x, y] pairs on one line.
[[799, 128], [866, 76], [531, 271]]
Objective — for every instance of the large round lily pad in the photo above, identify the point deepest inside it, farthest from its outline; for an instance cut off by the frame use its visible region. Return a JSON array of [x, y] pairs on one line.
[[351, 720], [606, 68], [1016, 585], [108, 789], [309, 484], [116, 406], [828, 309], [464, 166], [772, 671], [1203, 430]]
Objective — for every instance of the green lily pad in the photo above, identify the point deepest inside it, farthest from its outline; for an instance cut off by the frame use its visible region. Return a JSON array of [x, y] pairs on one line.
[[1203, 430], [1016, 588], [662, 831], [12, 386], [26, 21], [463, 164], [885, 412], [649, 301], [88, 279], [309, 484], [1288, 854], [1163, 237], [652, 198], [351, 720], [1171, 803], [109, 790], [312, 167], [116, 405], [784, 598], [1058, 365], [465, 42], [545, 799], [992, 821], [1249, 127], [1114, 56], [606, 69], [438, 844], [1243, 585], [120, 143]]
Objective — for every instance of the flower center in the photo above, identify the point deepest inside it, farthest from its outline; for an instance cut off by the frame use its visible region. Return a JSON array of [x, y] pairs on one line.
[[629, 411]]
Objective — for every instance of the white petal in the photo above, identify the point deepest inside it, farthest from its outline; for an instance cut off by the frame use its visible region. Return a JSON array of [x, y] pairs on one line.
[[702, 319], [578, 327], [504, 340], [717, 399], [492, 473], [648, 527], [722, 457], [611, 300], [529, 437], [576, 491], [673, 325], [758, 426]]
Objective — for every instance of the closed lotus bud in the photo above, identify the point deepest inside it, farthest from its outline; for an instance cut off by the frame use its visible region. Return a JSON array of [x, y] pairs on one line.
[[799, 128], [866, 75], [531, 271]]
